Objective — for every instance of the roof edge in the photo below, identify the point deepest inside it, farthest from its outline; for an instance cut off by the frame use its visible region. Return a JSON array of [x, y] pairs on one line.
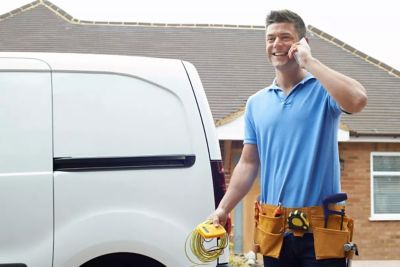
[[67, 17], [323, 35], [19, 10], [230, 117]]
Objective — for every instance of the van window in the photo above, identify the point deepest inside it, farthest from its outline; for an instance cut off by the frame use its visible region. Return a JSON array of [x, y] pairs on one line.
[[25, 122], [106, 115]]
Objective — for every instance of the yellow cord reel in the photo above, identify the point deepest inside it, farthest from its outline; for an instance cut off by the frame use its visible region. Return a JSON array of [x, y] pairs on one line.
[[205, 233]]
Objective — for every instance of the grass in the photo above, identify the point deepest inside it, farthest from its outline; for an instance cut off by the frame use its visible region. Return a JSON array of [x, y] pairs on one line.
[[237, 261]]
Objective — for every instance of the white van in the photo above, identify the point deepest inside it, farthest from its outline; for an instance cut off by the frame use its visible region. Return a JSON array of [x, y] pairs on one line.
[[104, 160]]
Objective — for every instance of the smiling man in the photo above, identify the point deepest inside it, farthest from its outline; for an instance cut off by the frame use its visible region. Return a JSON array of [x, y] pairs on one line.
[[291, 134]]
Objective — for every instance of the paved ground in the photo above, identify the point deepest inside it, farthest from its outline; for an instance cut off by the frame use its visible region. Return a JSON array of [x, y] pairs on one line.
[[354, 264], [375, 264], [250, 260]]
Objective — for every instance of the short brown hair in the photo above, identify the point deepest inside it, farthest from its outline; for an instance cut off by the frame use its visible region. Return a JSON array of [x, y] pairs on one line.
[[278, 16]]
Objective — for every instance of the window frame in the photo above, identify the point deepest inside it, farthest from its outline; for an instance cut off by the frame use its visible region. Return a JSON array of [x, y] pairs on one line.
[[382, 216]]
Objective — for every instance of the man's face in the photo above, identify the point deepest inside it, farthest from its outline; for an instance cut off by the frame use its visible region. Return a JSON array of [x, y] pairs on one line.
[[279, 39]]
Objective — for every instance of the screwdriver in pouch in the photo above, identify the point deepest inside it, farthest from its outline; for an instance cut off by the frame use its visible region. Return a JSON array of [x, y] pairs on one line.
[[278, 211]]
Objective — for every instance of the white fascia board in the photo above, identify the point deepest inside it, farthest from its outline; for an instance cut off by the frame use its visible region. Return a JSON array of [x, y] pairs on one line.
[[374, 139], [234, 130], [343, 135]]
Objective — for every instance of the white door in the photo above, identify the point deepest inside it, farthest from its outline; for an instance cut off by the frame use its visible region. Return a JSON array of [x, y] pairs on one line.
[[26, 179]]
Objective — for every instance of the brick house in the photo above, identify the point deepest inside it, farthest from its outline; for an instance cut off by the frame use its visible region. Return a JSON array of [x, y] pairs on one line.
[[232, 64]]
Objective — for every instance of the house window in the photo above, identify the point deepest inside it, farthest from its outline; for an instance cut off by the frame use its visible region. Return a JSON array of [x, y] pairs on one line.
[[385, 186]]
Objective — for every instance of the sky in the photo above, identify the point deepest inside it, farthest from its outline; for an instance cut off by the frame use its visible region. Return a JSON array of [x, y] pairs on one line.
[[371, 26]]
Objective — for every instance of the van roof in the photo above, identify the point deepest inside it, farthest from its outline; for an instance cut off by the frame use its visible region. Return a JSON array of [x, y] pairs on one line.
[[88, 62], [160, 71]]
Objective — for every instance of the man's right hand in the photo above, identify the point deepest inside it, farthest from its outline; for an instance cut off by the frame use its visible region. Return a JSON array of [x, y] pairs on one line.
[[240, 183], [219, 217]]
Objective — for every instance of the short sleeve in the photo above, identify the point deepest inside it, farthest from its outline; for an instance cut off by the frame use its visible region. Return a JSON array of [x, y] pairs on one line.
[[249, 129], [334, 106]]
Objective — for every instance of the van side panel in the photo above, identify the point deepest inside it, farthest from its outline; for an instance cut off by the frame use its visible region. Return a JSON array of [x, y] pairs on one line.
[[149, 211], [103, 115], [204, 108], [26, 185]]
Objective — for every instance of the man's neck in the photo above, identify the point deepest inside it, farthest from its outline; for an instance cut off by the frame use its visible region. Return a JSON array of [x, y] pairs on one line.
[[286, 80]]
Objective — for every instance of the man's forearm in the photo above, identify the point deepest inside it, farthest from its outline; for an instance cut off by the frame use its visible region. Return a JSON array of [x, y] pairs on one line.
[[349, 93], [241, 181]]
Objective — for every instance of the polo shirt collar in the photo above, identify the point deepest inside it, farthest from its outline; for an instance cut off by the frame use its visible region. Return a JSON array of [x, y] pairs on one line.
[[274, 86]]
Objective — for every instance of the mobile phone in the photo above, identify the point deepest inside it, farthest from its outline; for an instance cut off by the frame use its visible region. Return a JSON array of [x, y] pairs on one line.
[[303, 41]]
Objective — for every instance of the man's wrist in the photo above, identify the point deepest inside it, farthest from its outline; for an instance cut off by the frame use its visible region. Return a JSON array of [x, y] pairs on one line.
[[222, 210], [310, 63]]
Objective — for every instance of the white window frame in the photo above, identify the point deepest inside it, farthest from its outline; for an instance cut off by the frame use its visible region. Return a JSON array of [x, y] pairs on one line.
[[387, 216]]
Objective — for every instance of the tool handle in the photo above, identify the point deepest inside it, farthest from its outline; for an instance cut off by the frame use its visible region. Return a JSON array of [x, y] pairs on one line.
[[335, 198], [332, 199]]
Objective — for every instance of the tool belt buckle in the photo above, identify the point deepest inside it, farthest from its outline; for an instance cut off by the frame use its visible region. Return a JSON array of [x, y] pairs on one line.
[[298, 223]]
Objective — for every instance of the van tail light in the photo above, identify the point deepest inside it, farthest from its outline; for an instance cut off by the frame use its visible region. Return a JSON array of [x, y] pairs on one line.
[[218, 176]]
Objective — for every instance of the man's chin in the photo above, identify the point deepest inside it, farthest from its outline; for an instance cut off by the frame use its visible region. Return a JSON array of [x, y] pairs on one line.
[[282, 63], [278, 64]]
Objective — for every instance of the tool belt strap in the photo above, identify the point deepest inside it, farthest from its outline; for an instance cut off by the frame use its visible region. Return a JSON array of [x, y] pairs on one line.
[[310, 212]]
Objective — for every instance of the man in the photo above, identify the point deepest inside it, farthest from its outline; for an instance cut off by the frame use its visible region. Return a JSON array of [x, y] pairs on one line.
[[291, 133]]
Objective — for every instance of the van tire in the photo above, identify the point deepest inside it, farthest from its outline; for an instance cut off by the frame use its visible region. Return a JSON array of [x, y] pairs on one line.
[[122, 260]]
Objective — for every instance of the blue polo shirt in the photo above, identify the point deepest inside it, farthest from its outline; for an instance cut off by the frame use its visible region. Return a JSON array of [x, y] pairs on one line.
[[296, 137]]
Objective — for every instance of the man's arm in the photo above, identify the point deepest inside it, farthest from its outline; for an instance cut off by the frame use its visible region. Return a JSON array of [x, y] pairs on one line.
[[241, 181], [349, 93]]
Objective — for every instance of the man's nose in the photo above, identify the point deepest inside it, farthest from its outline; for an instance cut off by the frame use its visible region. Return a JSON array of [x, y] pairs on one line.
[[277, 42]]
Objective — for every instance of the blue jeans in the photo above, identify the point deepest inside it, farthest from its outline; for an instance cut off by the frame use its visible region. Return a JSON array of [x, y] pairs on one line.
[[299, 252]]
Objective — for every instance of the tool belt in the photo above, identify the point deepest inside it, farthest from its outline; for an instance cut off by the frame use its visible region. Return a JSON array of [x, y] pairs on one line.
[[329, 242]]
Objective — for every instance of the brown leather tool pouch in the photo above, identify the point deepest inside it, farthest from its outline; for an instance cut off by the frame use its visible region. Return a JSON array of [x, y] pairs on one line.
[[268, 233], [329, 242]]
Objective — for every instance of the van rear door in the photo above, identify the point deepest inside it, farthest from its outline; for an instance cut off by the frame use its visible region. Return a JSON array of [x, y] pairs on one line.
[[26, 185], [132, 168]]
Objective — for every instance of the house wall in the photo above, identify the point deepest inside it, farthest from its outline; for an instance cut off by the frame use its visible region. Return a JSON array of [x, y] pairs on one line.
[[377, 240]]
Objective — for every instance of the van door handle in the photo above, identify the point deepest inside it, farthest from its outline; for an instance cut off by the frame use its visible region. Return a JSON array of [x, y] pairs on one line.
[[121, 163]]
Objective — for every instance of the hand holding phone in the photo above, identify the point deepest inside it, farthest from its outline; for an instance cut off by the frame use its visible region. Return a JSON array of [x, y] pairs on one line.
[[303, 42]]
